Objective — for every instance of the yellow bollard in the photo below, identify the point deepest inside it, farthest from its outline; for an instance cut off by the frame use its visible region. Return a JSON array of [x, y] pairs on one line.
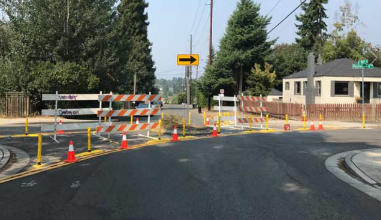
[[267, 122], [183, 127], [219, 124], [39, 148], [162, 115], [250, 122], [132, 119], [89, 139], [286, 119], [204, 119], [189, 118], [26, 126], [159, 129], [320, 117], [106, 119], [304, 121], [363, 120]]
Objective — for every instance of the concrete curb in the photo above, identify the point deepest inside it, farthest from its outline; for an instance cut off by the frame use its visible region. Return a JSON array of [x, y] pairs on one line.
[[332, 165], [23, 160], [352, 166], [5, 155]]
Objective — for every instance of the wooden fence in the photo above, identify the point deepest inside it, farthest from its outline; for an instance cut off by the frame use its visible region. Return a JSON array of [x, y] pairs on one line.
[[14, 104], [329, 112], [279, 109], [339, 112]]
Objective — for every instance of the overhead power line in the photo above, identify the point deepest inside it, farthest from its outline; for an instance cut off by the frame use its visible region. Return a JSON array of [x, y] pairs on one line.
[[287, 16], [195, 17], [273, 8], [201, 17]]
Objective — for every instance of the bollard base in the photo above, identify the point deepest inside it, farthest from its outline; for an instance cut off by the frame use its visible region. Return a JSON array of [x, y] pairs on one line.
[[287, 127]]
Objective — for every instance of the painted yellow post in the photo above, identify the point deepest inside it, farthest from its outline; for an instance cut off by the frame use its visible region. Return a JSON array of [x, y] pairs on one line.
[[159, 129], [304, 121], [132, 119], [89, 139], [204, 119], [106, 119], [363, 120], [267, 122], [219, 124], [162, 115], [286, 119], [183, 127], [250, 121], [189, 118], [39, 147], [320, 117], [26, 126]]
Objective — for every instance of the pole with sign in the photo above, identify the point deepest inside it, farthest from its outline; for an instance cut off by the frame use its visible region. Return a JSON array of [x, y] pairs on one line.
[[362, 64]]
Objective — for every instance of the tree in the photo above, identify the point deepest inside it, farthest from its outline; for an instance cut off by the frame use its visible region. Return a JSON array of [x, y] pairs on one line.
[[343, 41], [260, 82], [312, 29], [243, 44], [287, 59], [59, 32], [134, 48]]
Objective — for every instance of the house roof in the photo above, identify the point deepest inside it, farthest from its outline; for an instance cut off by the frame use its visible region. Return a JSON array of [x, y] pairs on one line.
[[275, 92], [338, 68]]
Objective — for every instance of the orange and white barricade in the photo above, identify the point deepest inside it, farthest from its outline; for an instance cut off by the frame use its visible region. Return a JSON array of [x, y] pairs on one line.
[[252, 109], [128, 113]]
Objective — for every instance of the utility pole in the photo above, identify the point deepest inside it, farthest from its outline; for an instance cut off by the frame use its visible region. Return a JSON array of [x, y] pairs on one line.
[[211, 32], [190, 73], [135, 83], [188, 89]]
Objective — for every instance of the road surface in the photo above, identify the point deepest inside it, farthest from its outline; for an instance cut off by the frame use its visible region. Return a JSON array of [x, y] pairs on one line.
[[255, 176]]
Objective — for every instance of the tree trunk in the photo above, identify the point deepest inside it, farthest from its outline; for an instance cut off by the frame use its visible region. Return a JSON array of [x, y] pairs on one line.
[[209, 100]]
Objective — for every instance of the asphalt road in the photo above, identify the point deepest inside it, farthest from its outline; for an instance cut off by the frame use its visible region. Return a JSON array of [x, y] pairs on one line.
[[256, 176]]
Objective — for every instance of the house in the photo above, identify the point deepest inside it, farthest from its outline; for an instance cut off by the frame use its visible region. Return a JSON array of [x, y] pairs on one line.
[[274, 95], [333, 82]]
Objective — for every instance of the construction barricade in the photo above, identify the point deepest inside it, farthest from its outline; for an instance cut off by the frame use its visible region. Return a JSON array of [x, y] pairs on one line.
[[252, 110], [223, 111], [109, 128], [59, 126]]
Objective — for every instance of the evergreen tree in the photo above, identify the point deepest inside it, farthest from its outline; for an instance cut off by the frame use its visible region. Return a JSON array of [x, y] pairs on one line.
[[287, 59], [312, 28], [134, 48], [260, 81], [244, 43]]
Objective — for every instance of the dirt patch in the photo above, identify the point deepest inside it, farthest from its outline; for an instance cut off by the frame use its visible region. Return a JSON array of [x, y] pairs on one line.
[[171, 120]]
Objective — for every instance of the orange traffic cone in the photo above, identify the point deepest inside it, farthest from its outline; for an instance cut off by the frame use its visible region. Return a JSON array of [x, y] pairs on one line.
[[137, 121], [207, 121], [71, 154], [124, 142], [321, 125], [60, 131], [312, 128], [215, 134], [175, 136]]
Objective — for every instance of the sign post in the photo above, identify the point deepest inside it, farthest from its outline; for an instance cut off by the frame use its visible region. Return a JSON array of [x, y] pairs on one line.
[[362, 64]]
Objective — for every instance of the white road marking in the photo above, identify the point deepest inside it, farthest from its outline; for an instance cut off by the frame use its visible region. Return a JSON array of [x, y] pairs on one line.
[[76, 184], [31, 184]]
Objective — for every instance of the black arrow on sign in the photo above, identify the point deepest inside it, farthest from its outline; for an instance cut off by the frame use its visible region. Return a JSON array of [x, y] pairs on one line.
[[191, 59]]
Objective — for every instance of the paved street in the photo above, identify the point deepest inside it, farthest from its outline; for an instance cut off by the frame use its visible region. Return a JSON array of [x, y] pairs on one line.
[[254, 176]]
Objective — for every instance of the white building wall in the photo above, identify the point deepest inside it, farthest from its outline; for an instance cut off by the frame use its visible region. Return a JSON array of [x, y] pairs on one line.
[[326, 96]]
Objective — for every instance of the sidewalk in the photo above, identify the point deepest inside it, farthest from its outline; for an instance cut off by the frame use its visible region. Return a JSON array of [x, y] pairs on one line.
[[366, 164]]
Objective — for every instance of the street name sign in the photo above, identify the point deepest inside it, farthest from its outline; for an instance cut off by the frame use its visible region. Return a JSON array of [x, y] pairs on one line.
[[188, 59], [362, 64]]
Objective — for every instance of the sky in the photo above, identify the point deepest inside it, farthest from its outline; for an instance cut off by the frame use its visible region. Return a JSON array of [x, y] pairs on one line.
[[173, 21]]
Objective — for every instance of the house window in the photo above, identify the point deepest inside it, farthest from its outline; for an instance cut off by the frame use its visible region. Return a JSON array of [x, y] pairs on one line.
[[287, 85], [318, 88], [304, 87], [341, 88], [297, 88], [379, 89]]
